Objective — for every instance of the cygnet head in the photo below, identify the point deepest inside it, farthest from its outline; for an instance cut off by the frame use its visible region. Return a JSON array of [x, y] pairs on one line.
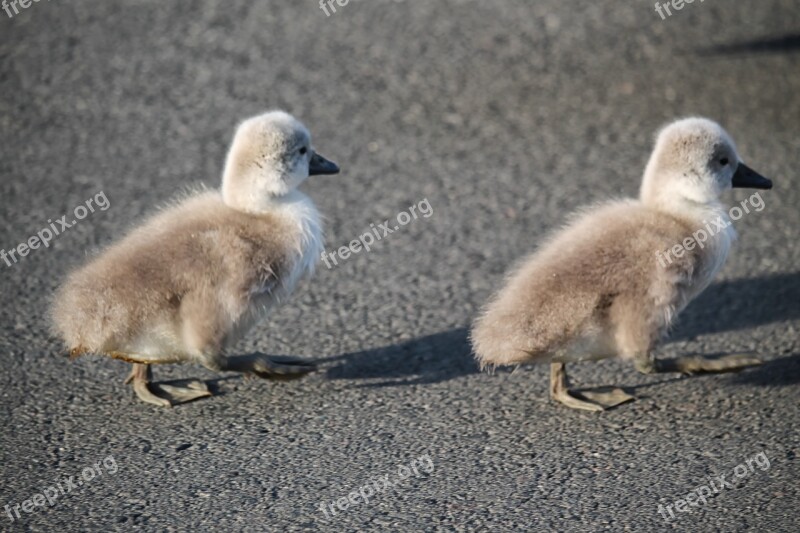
[[694, 161], [270, 156]]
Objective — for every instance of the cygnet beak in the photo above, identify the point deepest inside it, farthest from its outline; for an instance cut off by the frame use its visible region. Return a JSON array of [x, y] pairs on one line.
[[746, 177], [320, 165]]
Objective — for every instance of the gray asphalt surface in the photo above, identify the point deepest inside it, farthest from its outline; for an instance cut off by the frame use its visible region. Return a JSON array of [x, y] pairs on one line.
[[505, 115]]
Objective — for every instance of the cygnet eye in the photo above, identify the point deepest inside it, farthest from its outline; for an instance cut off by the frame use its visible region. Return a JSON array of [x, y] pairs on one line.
[[723, 161], [303, 150]]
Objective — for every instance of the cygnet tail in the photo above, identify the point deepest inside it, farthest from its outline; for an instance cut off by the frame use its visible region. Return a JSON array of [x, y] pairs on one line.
[[84, 320], [497, 344]]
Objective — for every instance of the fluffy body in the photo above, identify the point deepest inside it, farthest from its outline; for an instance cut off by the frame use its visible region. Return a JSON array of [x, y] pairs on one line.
[[190, 282], [597, 289]]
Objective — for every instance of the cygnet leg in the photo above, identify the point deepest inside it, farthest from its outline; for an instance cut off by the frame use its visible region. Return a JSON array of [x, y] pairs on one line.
[[160, 394], [696, 364], [267, 367], [587, 400]]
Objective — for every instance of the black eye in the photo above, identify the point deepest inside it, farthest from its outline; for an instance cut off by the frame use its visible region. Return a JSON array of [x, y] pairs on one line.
[[723, 161], [303, 151]]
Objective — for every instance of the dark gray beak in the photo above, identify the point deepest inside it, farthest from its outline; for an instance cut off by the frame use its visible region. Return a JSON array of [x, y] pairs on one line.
[[746, 177], [320, 165]]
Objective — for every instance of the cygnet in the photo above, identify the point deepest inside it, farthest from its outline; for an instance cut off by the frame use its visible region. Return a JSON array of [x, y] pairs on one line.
[[612, 281], [188, 283]]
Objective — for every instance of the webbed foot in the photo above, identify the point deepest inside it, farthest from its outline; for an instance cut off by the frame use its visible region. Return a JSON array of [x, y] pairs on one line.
[[594, 400], [270, 367], [703, 365], [163, 395]]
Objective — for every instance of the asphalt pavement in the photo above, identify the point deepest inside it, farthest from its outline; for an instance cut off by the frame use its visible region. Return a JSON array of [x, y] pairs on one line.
[[504, 116]]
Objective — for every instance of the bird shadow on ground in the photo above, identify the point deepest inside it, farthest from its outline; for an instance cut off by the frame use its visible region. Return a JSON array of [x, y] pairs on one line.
[[783, 44], [726, 306], [741, 304], [430, 359]]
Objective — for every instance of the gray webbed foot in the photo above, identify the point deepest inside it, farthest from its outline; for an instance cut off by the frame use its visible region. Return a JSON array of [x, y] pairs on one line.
[[270, 367], [590, 400], [163, 395], [702, 365]]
